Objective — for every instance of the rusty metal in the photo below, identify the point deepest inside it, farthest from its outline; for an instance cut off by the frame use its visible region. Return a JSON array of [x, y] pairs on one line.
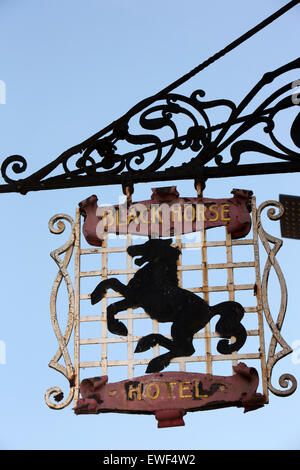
[[207, 331], [77, 306], [63, 339], [275, 326], [258, 294], [170, 395]]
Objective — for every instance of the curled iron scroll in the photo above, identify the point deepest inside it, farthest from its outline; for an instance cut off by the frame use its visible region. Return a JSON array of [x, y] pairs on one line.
[[150, 136], [286, 379]]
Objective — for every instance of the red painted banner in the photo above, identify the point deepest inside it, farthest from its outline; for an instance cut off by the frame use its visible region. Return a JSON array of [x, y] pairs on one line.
[[166, 214], [169, 395]]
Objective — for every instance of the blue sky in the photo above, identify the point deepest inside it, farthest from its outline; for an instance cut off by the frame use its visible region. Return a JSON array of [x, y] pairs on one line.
[[70, 68]]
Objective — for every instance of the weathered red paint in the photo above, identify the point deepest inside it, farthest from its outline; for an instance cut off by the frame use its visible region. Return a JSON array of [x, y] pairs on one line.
[[188, 216], [169, 395]]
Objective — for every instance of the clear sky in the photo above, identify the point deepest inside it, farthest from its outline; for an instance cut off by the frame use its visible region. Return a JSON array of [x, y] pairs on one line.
[[71, 67]]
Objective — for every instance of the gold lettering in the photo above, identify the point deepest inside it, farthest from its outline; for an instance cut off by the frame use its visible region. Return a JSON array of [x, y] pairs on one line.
[[111, 219], [201, 212], [156, 392], [142, 214], [136, 219], [132, 215], [137, 390], [155, 213], [176, 209], [120, 217], [117, 218], [214, 208], [197, 395], [191, 217], [224, 210], [196, 388], [169, 388], [182, 387]]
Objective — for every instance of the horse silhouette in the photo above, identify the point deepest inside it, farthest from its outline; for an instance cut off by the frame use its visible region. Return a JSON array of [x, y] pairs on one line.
[[154, 287]]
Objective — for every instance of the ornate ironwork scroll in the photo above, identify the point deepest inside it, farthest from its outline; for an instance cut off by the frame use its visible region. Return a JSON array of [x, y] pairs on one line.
[[277, 339], [140, 146], [63, 339]]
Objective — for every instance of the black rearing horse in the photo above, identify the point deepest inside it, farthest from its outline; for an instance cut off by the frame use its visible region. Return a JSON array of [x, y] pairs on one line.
[[155, 288]]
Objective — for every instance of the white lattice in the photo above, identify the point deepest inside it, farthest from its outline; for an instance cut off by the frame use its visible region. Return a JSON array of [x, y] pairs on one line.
[[204, 284]]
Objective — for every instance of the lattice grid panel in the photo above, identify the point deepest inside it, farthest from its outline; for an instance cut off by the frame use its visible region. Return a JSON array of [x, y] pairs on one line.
[[200, 274]]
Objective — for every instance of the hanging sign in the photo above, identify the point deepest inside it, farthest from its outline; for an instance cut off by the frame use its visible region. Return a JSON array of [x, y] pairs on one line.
[[166, 214], [169, 395]]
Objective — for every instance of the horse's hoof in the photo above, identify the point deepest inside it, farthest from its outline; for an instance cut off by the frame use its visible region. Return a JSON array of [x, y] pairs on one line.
[[140, 348], [117, 328], [157, 364], [152, 368], [145, 343], [97, 295]]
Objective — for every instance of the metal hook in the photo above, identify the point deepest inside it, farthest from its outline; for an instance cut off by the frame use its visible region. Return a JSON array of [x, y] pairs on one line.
[[200, 186], [128, 190]]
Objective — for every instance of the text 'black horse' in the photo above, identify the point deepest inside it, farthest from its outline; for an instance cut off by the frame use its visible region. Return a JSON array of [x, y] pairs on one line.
[[155, 288]]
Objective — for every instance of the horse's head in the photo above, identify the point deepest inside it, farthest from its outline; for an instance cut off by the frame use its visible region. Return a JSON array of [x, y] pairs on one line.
[[154, 249]]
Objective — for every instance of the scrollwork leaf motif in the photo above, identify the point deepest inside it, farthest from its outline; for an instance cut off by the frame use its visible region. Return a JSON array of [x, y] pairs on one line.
[[275, 327], [63, 339]]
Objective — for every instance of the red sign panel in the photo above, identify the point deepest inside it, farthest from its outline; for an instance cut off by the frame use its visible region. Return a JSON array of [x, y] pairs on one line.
[[169, 395], [166, 214]]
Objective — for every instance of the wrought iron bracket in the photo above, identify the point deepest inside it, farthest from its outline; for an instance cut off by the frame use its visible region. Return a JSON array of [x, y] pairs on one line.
[[151, 133]]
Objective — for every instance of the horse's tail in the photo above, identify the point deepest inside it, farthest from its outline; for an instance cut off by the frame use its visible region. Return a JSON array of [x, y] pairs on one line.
[[229, 324]]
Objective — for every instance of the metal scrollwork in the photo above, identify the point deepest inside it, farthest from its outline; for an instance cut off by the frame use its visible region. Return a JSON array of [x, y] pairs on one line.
[[140, 144], [286, 379], [63, 339]]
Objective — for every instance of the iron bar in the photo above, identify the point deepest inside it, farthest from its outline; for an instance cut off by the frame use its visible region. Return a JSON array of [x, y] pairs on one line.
[[185, 174]]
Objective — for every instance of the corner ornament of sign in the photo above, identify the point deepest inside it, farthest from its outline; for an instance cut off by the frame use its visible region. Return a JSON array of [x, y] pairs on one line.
[[275, 327], [63, 339]]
